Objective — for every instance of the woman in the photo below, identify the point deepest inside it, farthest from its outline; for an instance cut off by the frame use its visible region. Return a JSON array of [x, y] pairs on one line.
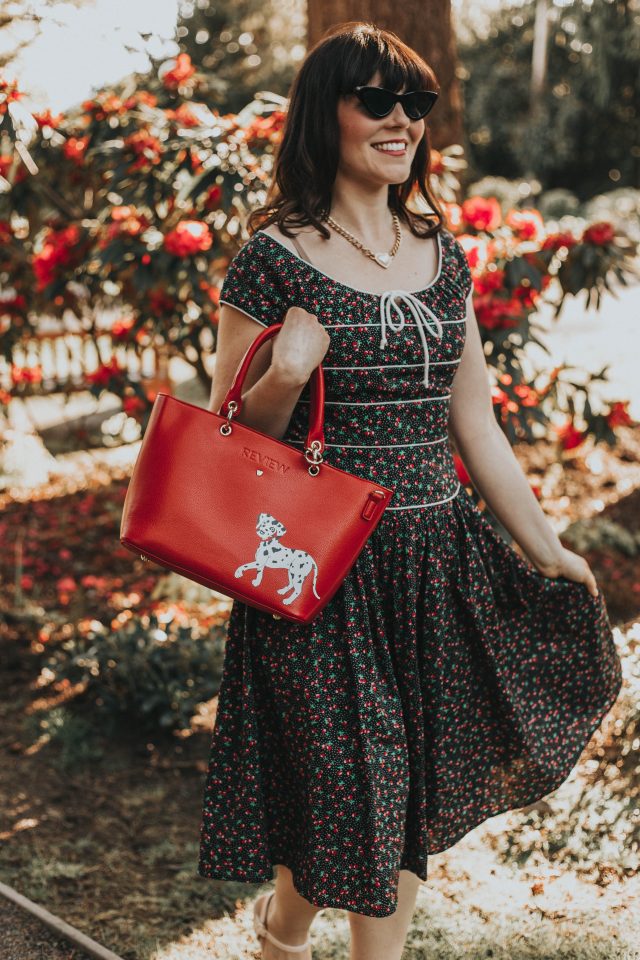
[[448, 679]]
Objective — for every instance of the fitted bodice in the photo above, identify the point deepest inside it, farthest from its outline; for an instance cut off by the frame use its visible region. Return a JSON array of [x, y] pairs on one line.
[[388, 371]]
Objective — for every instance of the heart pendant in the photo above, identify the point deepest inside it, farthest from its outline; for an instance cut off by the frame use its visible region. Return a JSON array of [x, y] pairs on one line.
[[259, 472], [383, 259]]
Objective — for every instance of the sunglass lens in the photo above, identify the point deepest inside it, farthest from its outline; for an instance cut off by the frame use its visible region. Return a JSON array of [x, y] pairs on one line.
[[419, 103], [377, 101]]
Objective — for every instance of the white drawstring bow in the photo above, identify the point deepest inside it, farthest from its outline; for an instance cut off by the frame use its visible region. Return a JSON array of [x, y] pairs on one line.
[[424, 317]]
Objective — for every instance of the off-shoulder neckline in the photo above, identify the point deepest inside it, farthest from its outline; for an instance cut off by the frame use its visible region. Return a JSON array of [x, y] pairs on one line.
[[346, 286]]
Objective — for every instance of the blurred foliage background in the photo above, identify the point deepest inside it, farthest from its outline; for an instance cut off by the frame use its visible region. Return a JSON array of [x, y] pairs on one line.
[[119, 212], [581, 133]]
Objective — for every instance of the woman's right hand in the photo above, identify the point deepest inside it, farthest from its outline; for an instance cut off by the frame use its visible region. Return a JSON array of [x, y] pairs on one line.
[[299, 346]]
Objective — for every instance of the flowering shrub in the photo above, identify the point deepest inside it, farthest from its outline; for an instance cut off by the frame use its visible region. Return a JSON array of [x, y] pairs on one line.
[[115, 652], [139, 202], [148, 671], [513, 259]]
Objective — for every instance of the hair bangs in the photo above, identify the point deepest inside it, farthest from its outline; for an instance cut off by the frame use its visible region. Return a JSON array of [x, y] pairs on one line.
[[370, 51]]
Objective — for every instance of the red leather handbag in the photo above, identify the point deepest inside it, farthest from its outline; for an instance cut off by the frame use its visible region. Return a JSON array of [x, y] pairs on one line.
[[250, 516]]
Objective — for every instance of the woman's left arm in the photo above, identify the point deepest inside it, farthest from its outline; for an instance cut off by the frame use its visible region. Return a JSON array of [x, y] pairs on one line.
[[495, 470]]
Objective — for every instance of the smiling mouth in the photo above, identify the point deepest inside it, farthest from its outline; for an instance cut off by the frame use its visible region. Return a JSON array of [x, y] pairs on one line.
[[394, 148]]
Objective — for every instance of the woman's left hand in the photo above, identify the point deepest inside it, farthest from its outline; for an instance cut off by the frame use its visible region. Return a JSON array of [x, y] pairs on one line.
[[572, 566]]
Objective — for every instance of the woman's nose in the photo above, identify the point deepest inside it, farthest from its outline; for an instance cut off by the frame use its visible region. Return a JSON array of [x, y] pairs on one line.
[[398, 115]]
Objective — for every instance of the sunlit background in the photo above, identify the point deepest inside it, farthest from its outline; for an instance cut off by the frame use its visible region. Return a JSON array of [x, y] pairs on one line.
[[105, 39], [114, 243]]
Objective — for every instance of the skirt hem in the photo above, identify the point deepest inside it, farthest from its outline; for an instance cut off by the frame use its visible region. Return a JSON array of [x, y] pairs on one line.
[[330, 903]]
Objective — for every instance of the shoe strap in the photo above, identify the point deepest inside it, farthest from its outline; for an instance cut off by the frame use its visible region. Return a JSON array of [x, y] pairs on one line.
[[263, 932]]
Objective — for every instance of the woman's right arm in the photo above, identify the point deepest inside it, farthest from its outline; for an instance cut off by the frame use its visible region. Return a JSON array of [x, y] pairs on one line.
[[278, 372]]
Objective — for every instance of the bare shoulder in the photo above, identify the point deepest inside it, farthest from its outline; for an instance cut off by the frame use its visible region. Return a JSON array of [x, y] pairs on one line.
[[273, 230]]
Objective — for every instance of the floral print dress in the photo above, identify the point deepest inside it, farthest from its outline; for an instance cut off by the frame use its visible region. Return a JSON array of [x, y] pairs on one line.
[[447, 680]]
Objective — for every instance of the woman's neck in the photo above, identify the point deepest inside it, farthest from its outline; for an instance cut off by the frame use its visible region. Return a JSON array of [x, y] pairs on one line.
[[364, 211]]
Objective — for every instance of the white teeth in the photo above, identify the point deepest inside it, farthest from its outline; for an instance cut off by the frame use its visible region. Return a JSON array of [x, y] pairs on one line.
[[389, 147]]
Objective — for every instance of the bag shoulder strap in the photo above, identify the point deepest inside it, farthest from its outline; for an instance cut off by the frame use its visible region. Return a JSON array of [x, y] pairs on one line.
[[301, 250]]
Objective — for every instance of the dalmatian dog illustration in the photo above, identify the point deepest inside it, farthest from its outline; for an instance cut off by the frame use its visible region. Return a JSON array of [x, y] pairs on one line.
[[271, 553]]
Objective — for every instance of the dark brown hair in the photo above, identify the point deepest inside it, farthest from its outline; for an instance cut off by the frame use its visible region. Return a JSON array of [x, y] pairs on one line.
[[306, 160]]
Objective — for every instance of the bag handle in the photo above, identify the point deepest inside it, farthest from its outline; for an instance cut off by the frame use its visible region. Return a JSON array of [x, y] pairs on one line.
[[232, 403]]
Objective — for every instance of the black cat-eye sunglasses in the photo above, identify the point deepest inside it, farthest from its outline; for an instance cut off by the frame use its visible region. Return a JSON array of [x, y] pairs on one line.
[[380, 102]]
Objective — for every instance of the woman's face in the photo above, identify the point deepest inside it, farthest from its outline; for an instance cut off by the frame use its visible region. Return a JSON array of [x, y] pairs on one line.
[[361, 134]]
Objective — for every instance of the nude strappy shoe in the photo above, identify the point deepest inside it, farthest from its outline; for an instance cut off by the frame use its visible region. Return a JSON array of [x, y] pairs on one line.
[[260, 910]]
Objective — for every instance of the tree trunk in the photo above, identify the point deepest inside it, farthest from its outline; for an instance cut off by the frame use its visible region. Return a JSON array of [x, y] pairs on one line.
[[426, 27]]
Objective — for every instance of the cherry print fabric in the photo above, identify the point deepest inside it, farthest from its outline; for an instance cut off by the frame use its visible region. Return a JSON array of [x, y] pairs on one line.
[[445, 682]]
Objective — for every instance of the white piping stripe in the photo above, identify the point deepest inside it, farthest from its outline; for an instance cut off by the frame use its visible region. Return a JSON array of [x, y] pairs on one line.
[[330, 326], [244, 311], [376, 403], [389, 366], [434, 503], [379, 446]]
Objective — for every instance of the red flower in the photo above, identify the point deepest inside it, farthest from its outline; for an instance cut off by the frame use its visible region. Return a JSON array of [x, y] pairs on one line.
[[127, 221], [489, 281], [183, 116], [122, 214], [180, 73], [121, 327], [6, 161], [13, 306], [8, 92], [196, 161], [141, 96], [146, 147], [189, 237], [109, 104], [113, 104], [527, 395], [526, 224], [57, 251], [211, 290], [599, 234], [213, 196], [103, 375], [526, 295], [133, 405], [482, 213], [66, 585], [269, 127], [496, 314], [569, 436], [618, 415], [556, 240], [46, 119], [75, 148], [504, 401], [26, 374], [469, 244]]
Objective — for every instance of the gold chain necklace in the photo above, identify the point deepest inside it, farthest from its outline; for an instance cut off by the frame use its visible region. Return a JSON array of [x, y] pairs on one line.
[[382, 259]]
